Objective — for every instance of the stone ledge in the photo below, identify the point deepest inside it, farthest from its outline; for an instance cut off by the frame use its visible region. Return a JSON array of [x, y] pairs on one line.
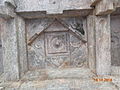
[[43, 14], [60, 84], [65, 84], [67, 73]]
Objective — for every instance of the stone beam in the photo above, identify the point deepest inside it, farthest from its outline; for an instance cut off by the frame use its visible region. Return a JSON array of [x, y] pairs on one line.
[[104, 7], [37, 14], [52, 7], [103, 45]]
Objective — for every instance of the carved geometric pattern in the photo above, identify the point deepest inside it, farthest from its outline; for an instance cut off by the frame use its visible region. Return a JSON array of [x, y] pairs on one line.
[[58, 46], [56, 42]]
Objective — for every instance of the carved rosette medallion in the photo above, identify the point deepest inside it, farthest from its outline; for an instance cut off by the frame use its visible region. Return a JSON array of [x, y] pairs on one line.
[[56, 42]]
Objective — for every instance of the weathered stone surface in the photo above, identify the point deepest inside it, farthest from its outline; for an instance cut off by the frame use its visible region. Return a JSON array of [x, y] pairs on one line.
[[78, 52], [1, 58], [36, 26], [70, 73], [56, 46], [118, 3], [10, 50], [22, 47], [36, 54], [103, 45], [91, 42], [116, 12], [6, 12], [48, 48], [51, 7], [10, 2], [1, 61], [105, 7], [116, 81], [36, 75], [115, 40], [66, 73], [67, 13], [62, 84], [7, 9], [14, 58], [115, 70], [95, 2]]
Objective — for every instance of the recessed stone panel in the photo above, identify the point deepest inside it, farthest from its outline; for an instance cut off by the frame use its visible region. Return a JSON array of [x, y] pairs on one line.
[[56, 46], [115, 40]]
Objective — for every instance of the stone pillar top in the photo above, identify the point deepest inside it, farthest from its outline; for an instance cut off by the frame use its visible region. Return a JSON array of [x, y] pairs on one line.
[[105, 7], [3, 2], [7, 8], [11, 2]]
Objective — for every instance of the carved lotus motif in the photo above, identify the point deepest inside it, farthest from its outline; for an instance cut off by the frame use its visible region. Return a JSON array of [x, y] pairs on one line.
[[56, 42]]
